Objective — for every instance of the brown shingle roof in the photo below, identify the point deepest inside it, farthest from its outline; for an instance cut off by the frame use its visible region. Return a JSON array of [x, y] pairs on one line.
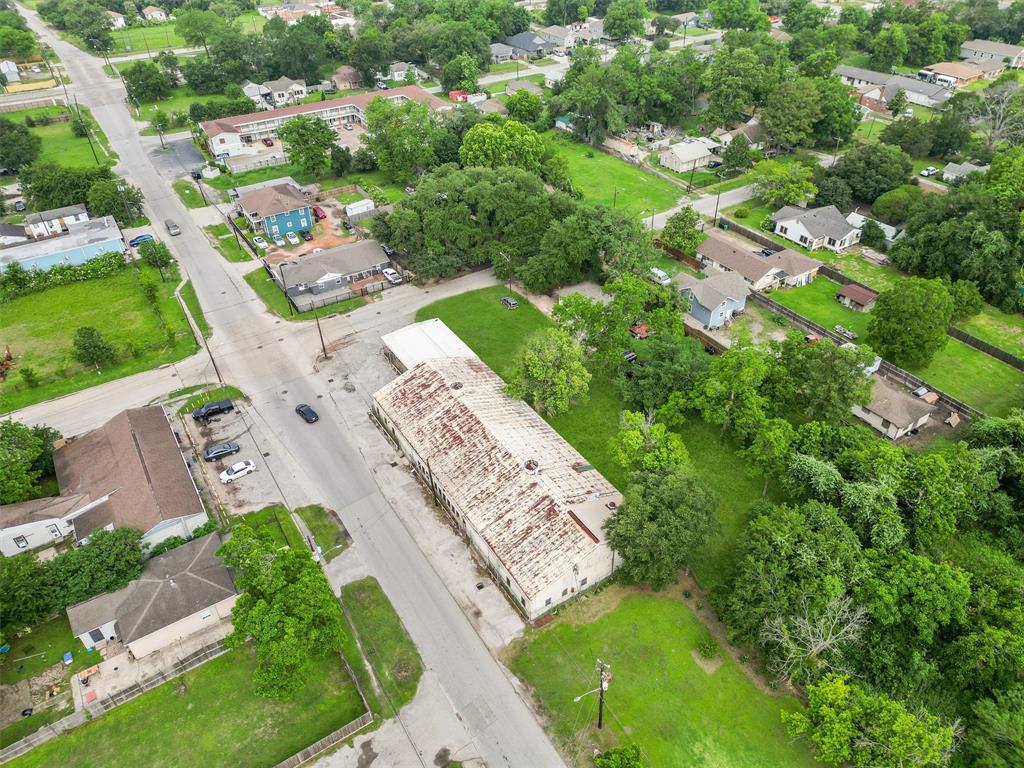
[[895, 405], [857, 294], [135, 459], [277, 198], [722, 251]]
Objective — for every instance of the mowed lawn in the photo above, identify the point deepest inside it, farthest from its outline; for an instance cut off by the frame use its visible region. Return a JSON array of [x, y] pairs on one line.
[[40, 330], [160, 37], [606, 180], [959, 370], [41, 648], [659, 697], [495, 334], [209, 717], [180, 99], [60, 145]]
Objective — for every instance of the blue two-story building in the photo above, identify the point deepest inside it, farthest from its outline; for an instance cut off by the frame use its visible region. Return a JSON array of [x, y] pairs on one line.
[[715, 299], [83, 241], [276, 209]]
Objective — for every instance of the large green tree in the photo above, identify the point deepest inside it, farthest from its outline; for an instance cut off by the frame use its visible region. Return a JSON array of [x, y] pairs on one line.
[[909, 321], [461, 73], [308, 142], [401, 138], [739, 14], [683, 231], [28, 593], [108, 562], [19, 452], [146, 82], [669, 365], [510, 143], [548, 372], [872, 169], [18, 145], [791, 113], [117, 198], [625, 18], [779, 184], [645, 444]]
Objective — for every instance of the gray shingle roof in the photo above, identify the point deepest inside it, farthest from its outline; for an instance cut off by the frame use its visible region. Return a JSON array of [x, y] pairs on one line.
[[859, 73], [992, 48], [819, 222], [529, 42], [722, 251], [348, 259], [56, 213], [715, 289], [895, 405], [931, 91]]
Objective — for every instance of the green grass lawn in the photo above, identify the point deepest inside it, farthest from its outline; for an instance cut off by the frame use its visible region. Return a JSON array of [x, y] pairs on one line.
[[41, 648], [606, 180], [868, 129], [60, 145], [385, 641], [495, 334], [735, 182], [659, 697], [208, 716], [188, 295], [155, 38], [276, 523], [278, 303], [505, 66], [672, 267], [226, 244], [961, 371], [180, 99], [226, 392], [189, 194], [19, 729], [327, 530], [40, 329]]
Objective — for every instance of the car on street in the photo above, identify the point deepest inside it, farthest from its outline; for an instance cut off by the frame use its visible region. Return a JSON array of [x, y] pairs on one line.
[[660, 276], [279, 241], [931, 170], [235, 471], [172, 228], [306, 235], [196, 174], [212, 408], [268, 142], [260, 242], [138, 240], [318, 250], [307, 413], [844, 331], [391, 276], [220, 450], [292, 238], [509, 303]]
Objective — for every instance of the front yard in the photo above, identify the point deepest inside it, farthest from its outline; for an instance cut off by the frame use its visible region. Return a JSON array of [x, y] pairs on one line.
[[226, 244], [682, 710], [275, 523], [40, 329], [276, 302], [208, 716], [327, 530]]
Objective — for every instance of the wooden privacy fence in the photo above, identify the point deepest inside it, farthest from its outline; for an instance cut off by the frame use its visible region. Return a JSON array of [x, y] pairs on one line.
[[327, 741], [751, 234]]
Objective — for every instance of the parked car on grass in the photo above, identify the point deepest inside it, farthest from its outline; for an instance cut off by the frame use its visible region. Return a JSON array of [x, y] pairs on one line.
[[292, 238], [307, 413], [391, 276], [931, 170], [235, 471], [660, 276], [260, 242], [509, 303], [220, 450]]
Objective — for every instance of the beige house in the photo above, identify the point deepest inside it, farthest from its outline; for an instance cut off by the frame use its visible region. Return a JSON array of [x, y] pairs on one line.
[[179, 593], [892, 411], [688, 154], [152, 13], [346, 78]]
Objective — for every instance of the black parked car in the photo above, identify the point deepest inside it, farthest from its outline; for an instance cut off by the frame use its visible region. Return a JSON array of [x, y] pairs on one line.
[[220, 450], [388, 250], [308, 414], [203, 412], [306, 235]]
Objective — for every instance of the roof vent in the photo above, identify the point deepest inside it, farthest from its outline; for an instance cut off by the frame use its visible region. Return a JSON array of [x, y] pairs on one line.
[[531, 466], [457, 385]]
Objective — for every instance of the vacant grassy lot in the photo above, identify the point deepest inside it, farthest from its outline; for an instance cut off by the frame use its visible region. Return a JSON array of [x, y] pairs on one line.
[[961, 371], [275, 522], [60, 145], [40, 329], [326, 529], [41, 648], [495, 334], [226, 244], [278, 303], [210, 717], [606, 180], [188, 295], [179, 100], [189, 194], [679, 712], [385, 642]]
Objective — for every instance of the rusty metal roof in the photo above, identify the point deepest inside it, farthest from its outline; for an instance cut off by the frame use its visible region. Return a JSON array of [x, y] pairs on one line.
[[530, 495]]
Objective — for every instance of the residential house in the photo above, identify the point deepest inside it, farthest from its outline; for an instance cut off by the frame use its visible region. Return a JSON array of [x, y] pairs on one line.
[[11, 234], [419, 342], [990, 68], [399, 71], [53, 222], [501, 53], [985, 50], [858, 76], [688, 154], [856, 297], [276, 210], [285, 91], [178, 593], [953, 73], [751, 130], [523, 85], [594, 30], [716, 299], [876, 89], [688, 19], [492, 107], [562, 38], [116, 20], [778, 34], [152, 13], [337, 270], [786, 267], [129, 473], [956, 171], [529, 504], [530, 45], [9, 70], [816, 228], [260, 94], [84, 240], [858, 221], [346, 78], [892, 411], [237, 135]]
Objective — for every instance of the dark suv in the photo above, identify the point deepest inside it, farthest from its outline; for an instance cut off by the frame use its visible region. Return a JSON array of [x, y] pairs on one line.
[[203, 412]]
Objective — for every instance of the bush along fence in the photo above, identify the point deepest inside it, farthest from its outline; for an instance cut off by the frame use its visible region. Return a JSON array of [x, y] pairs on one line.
[[17, 281], [889, 370], [972, 341]]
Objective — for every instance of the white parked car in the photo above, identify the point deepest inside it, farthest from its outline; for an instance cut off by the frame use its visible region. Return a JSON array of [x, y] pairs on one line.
[[318, 250], [293, 238], [279, 241], [260, 242], [235, 471], [660, 276], [931, 170], [392, 277]]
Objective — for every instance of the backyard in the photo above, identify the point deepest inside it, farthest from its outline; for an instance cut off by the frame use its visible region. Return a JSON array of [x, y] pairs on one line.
[[159, 37], [209, 716], [41, 336], [606, 180], [393, 192], [276, 302], [60, 145], [41, 648], [681, 709]]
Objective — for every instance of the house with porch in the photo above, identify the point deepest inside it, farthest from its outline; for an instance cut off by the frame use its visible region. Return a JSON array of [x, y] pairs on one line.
[[787, 267], [152, 13], [815, 228], [336, 271], [276, 209], [716, 299], [284, 91]]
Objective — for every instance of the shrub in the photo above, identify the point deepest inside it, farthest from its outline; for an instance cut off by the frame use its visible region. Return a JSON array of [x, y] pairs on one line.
[[30, 377], [741, 213], [19, 282], [766, 225], [707, 647]]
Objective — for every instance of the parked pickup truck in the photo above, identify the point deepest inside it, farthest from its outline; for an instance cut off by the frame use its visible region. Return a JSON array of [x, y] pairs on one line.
[[212, 408]]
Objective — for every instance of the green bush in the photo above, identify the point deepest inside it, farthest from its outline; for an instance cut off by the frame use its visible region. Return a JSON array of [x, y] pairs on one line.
[[707, 647], [741, 213]]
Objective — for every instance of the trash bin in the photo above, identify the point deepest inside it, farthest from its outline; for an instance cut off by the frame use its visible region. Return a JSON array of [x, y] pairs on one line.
[[723, 223]]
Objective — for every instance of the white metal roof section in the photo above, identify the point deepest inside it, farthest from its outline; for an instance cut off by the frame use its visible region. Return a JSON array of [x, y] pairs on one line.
[[427, 340]]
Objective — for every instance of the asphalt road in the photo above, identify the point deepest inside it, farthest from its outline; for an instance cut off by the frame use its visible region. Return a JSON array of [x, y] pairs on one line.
[[271, 361]]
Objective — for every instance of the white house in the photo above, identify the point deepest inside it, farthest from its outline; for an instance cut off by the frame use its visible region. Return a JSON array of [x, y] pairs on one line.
[[152, 13], [49, 223], [116, 20], [955, 171], [751, 130], [815, 228], [284, 90], [178, 593], [10, 71], [858, 221], [688, 154], [260, 95], [985, 50], [892, 411], [11, 234], [530, 505]]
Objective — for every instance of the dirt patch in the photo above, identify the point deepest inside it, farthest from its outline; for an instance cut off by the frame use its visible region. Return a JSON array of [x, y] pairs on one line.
[[13, 699], [710, 666]]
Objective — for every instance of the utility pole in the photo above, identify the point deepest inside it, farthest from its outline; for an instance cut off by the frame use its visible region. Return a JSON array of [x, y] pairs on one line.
[[319, 330], [604, 677], [85, 125]]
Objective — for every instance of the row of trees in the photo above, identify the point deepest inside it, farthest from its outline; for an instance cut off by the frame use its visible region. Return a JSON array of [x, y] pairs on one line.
[[16, 40], [47, 185]]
